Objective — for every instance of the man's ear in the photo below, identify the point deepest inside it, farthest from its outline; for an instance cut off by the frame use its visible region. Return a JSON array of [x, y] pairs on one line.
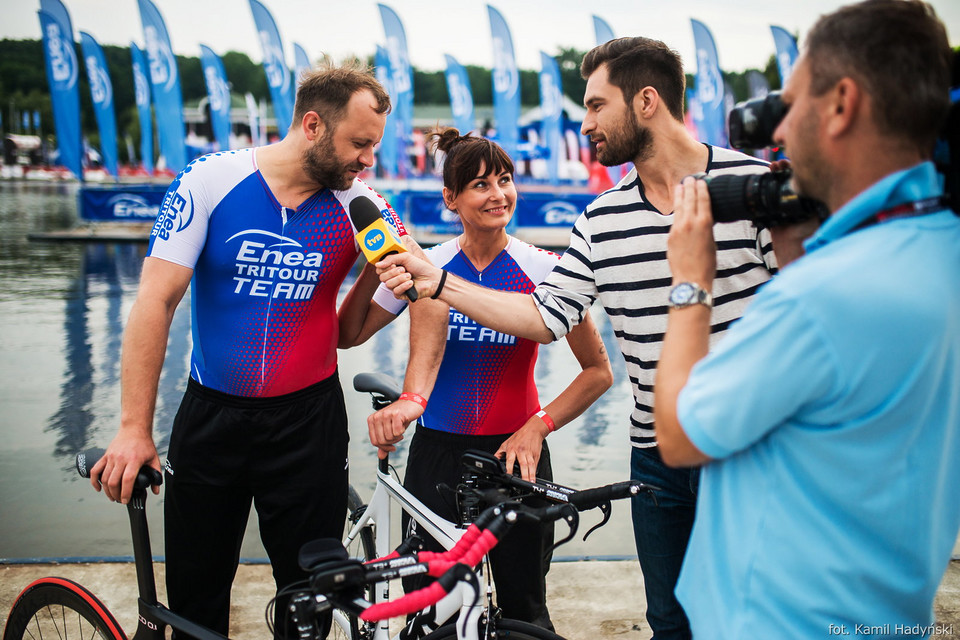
[[312, 126], [843, 106], [646, 102]]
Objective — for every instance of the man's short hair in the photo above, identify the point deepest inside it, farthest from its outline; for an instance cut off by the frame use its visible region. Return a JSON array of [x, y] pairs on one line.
[[898, 51], [328, 88], [636, 62]]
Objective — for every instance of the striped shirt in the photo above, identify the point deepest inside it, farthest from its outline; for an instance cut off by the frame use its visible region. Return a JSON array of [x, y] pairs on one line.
[[618, 254]]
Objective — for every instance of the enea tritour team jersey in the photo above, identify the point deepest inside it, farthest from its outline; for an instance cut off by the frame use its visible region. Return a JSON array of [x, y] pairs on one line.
[[485, 385], [265, 277]]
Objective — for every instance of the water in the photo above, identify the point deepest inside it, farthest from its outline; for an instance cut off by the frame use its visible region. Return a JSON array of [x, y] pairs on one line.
[[62, 311]]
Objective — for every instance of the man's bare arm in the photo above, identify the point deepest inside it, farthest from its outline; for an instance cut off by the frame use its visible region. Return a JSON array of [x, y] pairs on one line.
[[162, 285], [508, 312]]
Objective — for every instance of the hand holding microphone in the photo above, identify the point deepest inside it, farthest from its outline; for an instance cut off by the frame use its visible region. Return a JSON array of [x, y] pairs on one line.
[[374, 236]]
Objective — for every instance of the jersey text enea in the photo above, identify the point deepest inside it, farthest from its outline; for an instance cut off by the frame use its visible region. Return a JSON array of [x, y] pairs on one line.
[[266, 277], [485, 385]]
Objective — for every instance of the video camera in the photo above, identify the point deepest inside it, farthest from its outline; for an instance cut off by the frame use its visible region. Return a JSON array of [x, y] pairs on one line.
[[768, 199]]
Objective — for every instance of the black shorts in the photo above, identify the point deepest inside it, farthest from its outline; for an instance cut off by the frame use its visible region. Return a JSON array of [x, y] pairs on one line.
[[286, 455]]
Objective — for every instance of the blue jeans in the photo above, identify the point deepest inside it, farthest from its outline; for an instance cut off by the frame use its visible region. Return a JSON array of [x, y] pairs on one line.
[[661, 528]]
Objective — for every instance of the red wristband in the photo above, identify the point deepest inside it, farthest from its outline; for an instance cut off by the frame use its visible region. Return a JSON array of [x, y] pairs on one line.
[[414, 397], [547, 420]]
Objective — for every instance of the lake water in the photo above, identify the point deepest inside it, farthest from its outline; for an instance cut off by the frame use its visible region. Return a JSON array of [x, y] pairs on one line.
[[63, 306]]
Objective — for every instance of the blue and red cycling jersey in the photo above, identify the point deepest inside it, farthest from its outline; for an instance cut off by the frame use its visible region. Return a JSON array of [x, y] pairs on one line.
[[485, 385], [265, 277]]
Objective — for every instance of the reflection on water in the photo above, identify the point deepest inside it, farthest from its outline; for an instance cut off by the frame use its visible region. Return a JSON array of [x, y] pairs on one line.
[[63, 307]]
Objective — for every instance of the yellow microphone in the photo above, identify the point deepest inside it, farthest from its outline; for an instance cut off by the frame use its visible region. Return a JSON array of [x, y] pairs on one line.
[[374, 235]]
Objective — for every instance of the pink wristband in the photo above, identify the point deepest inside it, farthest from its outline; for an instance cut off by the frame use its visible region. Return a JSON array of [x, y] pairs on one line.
[[547, 420], [414, 397]]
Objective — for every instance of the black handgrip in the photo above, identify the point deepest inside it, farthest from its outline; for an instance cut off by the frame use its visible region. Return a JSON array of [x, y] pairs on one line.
[[148, 476], [591, 498]]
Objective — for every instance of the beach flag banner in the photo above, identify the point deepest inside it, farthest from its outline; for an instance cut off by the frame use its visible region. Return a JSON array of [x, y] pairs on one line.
[[602, 30], [461, 95], [274, 65], [387, 154], [101, 92], [551, 104], [506, 84], [786, 52], [218, 91], [141, 88], [301, 63], [709, 86], [401, 82], [165, 83], [63, 72]]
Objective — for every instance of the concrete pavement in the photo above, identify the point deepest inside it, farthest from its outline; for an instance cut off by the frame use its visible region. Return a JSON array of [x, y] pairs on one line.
[[589, 600]]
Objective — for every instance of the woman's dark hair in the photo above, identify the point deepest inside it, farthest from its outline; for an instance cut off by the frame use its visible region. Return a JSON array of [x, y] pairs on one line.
[[465, 155]]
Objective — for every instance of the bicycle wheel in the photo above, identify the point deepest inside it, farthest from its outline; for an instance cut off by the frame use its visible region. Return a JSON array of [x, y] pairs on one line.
[[60, 608], [502, 630], [366, 548], [347, 626]]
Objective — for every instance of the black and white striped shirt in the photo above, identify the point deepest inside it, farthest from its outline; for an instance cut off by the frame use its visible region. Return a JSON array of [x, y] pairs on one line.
[[618, 254]]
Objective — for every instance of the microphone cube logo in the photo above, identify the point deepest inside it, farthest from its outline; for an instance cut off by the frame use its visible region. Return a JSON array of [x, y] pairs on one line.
[[374, 239]]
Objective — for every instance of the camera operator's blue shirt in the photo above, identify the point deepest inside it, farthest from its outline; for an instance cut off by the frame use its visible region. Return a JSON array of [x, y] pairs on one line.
[[832, 410]]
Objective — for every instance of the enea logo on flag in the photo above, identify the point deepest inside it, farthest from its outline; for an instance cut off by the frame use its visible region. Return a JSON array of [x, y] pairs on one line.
[[163, 66], [63, 59], [277, 75], [100, 87], [219, 91], [505, 80], [374, 239]]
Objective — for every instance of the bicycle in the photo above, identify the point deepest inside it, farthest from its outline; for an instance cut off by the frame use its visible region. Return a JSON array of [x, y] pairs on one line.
[[372, 525], [339, 581]]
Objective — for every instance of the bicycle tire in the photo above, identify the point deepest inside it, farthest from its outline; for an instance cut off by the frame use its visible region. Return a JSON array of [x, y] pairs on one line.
[[60, 608], [355, 507], [502, 630], [347, 626]]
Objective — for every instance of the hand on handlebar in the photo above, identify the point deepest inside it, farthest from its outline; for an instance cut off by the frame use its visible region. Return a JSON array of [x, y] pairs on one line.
[[387, 426], [116, 471], [524, 448]]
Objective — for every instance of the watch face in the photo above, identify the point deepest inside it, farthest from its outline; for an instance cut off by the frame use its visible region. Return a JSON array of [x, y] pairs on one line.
[[682, 293]]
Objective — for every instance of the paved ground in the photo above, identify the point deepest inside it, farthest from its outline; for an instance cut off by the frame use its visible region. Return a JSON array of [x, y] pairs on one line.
[[593, 600]]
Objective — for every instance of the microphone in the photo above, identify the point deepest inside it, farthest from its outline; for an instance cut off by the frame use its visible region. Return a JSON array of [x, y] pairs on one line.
[[374, 236]]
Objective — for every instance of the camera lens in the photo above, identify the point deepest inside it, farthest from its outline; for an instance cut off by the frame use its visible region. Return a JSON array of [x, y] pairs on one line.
[[766, 199]]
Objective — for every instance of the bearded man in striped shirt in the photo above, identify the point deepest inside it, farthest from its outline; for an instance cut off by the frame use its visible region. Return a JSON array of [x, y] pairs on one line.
[[617, 254]]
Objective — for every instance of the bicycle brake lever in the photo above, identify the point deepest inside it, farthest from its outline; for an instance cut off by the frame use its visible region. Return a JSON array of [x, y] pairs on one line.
[[572, 518], [606, 509]]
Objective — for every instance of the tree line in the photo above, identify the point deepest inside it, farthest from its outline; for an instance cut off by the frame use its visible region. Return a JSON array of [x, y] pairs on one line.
[[23, 85]]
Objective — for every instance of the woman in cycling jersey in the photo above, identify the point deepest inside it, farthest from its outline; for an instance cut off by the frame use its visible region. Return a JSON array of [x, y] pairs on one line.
[[469, 387]]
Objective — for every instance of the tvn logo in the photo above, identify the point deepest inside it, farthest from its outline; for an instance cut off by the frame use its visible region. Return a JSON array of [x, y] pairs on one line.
[[375, 239]]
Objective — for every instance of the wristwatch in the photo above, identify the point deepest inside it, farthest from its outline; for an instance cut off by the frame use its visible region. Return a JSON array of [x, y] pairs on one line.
[[687, 294]]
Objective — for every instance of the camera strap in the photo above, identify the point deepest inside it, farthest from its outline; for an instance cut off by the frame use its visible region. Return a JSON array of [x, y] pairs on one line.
[[906, 210]]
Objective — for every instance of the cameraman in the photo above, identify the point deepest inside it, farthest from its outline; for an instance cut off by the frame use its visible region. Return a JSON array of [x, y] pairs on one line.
[[828, 418]]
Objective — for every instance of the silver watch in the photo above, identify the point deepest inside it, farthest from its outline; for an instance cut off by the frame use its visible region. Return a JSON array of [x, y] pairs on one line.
[[687, 294]]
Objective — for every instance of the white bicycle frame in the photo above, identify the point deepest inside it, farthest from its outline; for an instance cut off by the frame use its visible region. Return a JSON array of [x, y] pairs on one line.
[[464, 597]]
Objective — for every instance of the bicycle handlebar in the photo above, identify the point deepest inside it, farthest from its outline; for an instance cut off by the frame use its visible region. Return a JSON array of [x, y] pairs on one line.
[[452, 566], [148, 476]]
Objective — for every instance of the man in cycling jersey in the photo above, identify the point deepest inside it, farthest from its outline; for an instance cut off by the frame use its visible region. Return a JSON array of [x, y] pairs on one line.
[[828, 419], [634, 100], [263, 239]]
